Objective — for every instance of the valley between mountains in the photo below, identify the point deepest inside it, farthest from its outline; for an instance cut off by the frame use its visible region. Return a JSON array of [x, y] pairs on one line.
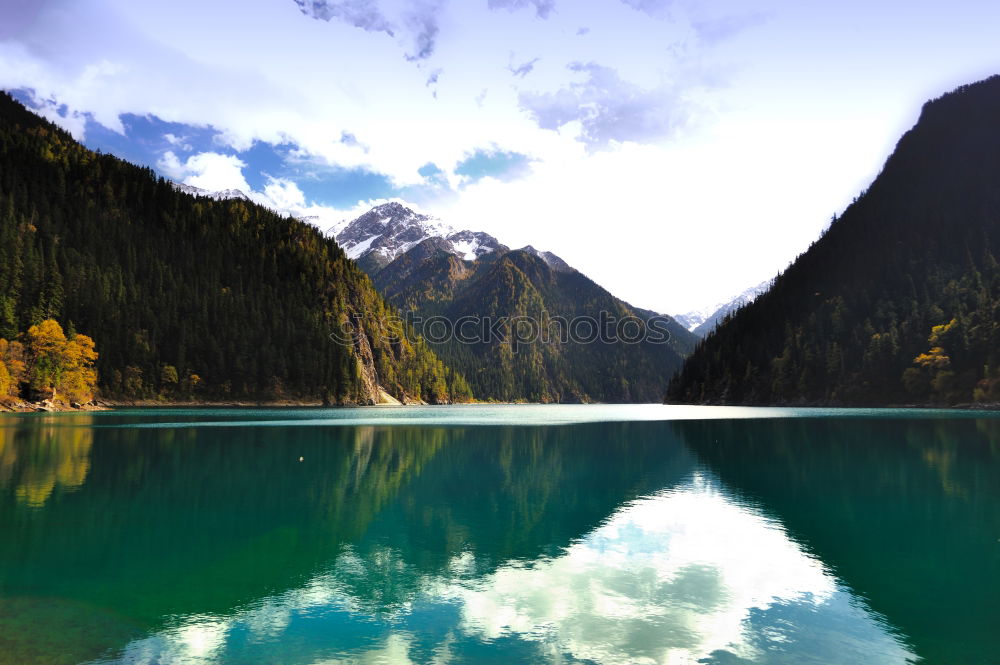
[[197, 296]]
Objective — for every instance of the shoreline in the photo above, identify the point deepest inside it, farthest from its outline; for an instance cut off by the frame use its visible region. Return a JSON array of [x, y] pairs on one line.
[[22, 406], [46, 406]]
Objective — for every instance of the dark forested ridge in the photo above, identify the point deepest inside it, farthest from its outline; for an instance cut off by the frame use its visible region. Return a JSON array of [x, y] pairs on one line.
[[189, 297], [899, 302], [520, 287]]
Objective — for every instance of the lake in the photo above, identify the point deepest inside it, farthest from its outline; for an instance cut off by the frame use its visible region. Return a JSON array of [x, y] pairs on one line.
[[500, 534]]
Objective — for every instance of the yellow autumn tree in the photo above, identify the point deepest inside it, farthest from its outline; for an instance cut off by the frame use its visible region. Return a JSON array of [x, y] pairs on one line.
[[934, 371], [79, 378], [46, 342], [62, 367], [5, 381], [937, 357], [12, 367]]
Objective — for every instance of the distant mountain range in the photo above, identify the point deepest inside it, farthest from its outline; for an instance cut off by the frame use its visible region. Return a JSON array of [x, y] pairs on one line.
[[701, 322], [436, 273], [219, 195], [899, 301]]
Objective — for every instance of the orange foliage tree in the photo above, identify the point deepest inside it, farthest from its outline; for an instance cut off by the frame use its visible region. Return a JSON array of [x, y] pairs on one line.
[[62, 367], [12, 367]]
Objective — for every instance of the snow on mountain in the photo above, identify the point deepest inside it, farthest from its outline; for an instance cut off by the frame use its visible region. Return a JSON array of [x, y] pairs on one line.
[[551, 260], [220, 195], [701, 322], [357, 251], [473, 244], [695, 318], [390, 230]]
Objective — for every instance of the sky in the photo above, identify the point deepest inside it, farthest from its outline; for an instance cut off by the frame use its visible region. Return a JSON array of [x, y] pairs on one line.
[[674, 151]]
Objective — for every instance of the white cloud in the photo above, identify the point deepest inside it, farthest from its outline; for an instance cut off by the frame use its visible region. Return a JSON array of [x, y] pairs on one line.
[[209, 170], [178, 141], [284, 194], [609, 109], [787, 124], [74, 122], [214, 172], [170, 166]]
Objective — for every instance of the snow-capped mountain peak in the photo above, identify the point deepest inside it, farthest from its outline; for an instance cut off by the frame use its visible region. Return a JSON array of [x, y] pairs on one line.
[[701, 322], [471, 245], [220, 195], [389, 230]]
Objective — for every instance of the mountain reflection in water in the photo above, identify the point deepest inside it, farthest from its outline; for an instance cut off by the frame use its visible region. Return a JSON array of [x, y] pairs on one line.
[[716, 541]]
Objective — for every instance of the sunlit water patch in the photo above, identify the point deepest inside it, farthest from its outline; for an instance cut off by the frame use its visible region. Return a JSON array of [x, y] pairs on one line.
[[501, 415]]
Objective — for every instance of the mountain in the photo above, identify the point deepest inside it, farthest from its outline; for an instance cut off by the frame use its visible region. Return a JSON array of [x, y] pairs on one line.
[[220, 195], [694, 318], [518, 307], [550, 259], [388, 231], [899, 301], [702, 322], [205, 297]]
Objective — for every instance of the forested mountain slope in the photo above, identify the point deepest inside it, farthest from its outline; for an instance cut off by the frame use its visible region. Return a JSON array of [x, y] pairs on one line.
[[189, 296], [899, 301], [525, 288]]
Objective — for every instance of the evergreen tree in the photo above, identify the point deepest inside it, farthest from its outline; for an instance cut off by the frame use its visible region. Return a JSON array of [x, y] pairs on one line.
[[899, 301], [239, 301]]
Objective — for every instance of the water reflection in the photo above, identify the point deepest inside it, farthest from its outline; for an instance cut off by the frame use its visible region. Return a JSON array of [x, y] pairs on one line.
[[37, 460], [723, 542], [906, 512], [677, 578], [684, 576]]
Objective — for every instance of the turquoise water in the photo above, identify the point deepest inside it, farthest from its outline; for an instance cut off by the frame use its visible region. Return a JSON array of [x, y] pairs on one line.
[[500, 534]]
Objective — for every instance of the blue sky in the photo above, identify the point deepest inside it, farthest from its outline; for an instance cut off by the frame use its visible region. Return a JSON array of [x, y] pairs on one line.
[[675, 151]]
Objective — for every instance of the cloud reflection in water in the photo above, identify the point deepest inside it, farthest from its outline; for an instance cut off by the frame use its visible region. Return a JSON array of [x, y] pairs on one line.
[[685, 576]]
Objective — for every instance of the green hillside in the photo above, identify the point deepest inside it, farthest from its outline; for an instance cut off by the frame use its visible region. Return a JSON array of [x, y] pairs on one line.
[[518, 288], [899, 301], [190, 297]]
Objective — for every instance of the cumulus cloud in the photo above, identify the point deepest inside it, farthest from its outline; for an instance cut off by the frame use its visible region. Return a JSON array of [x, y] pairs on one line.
[[283, 194], [74, 122], [214, 172], [542, 7], [608, 108], [208, 170], [170, 166]]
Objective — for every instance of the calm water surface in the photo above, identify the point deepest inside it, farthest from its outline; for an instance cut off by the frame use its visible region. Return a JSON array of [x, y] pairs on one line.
[[500, 534]]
